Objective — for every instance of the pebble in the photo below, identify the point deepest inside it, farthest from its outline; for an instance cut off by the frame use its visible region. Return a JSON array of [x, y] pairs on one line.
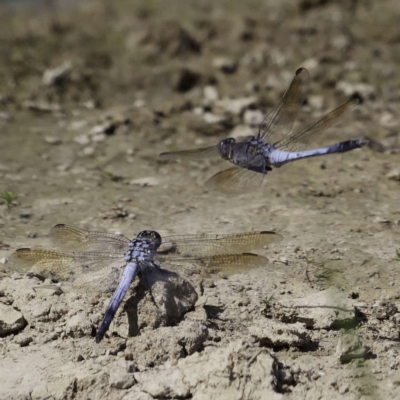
[[144, 182], [225, 64], [253, 117]]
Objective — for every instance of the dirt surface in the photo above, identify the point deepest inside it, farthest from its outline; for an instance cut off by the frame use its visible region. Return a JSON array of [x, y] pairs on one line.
[[90, 96]]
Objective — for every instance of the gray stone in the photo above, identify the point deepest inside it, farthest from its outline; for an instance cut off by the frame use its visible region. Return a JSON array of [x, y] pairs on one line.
[[236, 106], [167, 383], [225, 64], [253, 117], [11, 320], [120, 377], [275, 333]]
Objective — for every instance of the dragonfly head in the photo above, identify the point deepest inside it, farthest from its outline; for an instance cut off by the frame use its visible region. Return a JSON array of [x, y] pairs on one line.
[[225, 148], [152, 236]]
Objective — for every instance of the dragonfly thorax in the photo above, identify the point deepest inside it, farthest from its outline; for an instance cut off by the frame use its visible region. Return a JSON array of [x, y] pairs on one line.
[[144, 246]]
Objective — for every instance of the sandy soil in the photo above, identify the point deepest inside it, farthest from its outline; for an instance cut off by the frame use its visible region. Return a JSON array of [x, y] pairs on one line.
[[90, 96]]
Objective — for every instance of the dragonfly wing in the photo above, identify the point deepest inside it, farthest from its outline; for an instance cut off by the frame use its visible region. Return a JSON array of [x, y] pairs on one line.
[[181, 247], [227, 264], [306, 136], [55, 265], [75, 240], [279, 122], [195, 154], [235, 180]]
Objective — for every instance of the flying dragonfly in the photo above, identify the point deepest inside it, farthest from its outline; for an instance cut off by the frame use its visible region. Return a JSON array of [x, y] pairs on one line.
[[274, 145], [122, 259]]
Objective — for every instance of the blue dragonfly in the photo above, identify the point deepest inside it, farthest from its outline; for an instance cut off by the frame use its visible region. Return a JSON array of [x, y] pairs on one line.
[[274, 145], [121, 259]]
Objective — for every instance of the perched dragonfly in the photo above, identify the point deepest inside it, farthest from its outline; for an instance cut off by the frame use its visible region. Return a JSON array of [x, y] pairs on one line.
[[123, 259], [274, 145]]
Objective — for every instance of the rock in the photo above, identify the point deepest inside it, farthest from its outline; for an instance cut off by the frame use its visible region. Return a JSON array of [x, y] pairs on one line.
[[170, 384], [327, 309], [78, 325], [145, 182], [241, 131], [172, 294], [211, 118], [393, 175], [53, 140], [316, 102], [23, 339], [237, 371], [210, 94], [55, 76], [366, 91], [166, 343], [137, 396], [387, 120], [273, 333], [171, 38], [253, 117], [350, 347], [121, 376], [11, 320], [236, 106], [225, 64]]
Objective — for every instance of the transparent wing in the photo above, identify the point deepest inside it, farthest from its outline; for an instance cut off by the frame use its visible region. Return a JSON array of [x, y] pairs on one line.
[[227, 264], [195, 154], [235, 180], [58, 266], [279, 122], [306, 136], [75, 240], [210, 245]]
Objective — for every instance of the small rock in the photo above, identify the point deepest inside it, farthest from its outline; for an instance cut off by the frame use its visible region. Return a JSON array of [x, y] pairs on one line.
[[273, 333], [144, 182], [225, 64], [394, 175], [160, 384], [82, 139], [23, 339], [365, 90], [241, 131], [236, 106], [78, 325], [11, 320], [253, 117], [387, 120], [88, 151], [5, 116], [210, 93], [316, 102], [120, 377], [53, 140], [56, 76]]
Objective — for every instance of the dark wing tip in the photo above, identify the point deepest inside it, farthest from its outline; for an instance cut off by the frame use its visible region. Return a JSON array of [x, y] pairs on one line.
[[302, 71], [59, 226], [22, 250], [276, 235]]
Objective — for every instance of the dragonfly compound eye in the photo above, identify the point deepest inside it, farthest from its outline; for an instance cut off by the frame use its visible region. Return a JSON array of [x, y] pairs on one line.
[[153, 237], [225, 148]]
